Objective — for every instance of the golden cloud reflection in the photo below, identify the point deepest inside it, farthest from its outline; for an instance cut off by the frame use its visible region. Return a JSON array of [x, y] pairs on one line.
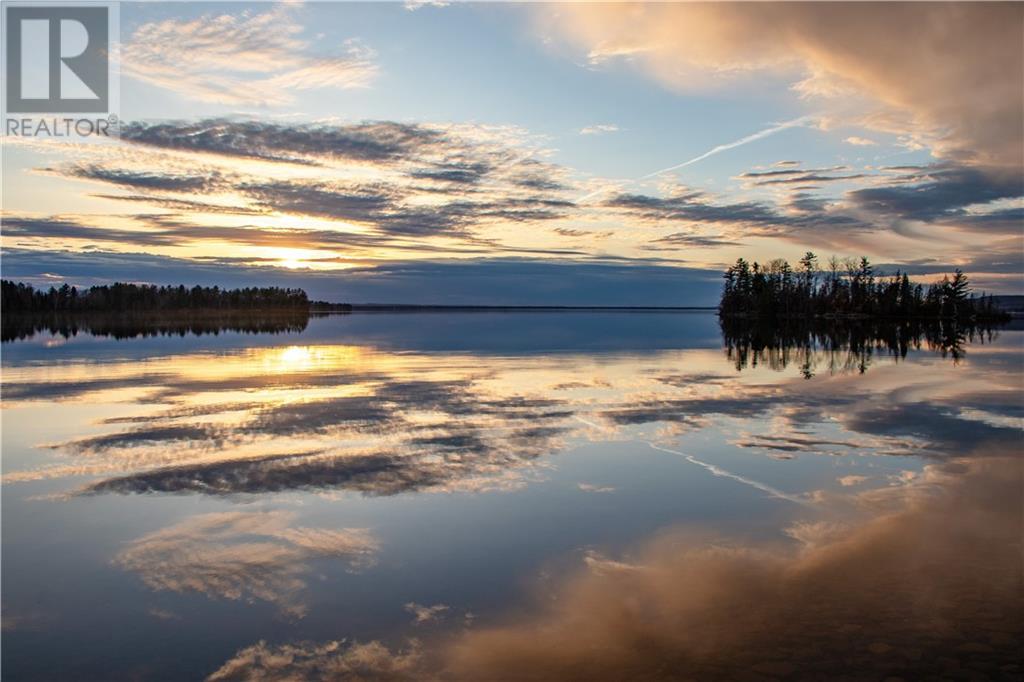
[[930, 587], [243, 555], [315, 417], [896, 548]]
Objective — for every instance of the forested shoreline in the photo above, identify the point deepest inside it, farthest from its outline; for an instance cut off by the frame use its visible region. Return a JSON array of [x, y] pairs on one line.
[[119, 297], [847, 289]]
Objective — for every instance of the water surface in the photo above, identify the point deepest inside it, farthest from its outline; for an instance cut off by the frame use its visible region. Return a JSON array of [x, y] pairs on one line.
[[412, 494]]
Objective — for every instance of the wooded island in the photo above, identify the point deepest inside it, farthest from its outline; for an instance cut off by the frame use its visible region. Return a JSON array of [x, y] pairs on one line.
[[846, 289]]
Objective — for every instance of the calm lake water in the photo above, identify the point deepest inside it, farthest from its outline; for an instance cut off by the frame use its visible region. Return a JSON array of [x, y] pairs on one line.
[[508, 496]]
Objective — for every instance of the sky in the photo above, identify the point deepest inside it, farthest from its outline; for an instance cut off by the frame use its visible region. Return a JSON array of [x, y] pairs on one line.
[[586, 153]]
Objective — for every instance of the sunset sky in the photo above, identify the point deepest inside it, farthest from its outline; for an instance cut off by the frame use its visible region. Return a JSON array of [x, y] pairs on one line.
[[532, 153]]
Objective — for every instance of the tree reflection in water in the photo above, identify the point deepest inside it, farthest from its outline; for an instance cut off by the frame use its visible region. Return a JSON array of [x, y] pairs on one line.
[[138, 325], [846, 345]]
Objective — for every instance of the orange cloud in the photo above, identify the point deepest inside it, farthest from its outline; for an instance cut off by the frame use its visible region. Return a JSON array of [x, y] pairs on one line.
[[930, 585], [952, 73], [895, 594]]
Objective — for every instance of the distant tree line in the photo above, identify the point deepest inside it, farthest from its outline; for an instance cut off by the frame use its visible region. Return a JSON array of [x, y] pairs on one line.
[[846, 288], [327, 307], [132, 298]]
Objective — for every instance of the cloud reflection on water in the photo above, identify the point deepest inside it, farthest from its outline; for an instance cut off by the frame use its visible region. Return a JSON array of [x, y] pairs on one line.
[[382, 423], [929, 586], [243, 555], [928, 572]]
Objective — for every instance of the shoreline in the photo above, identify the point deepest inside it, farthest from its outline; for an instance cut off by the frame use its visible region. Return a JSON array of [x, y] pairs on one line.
[[389, 308]]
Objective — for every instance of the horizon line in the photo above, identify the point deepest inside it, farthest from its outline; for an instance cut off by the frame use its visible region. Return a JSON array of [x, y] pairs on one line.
[[441, 306]]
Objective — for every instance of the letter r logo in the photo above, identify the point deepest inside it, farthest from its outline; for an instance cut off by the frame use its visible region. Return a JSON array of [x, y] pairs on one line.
[[57, 60]]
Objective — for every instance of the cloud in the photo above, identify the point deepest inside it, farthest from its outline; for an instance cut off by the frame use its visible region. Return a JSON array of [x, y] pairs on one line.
[[170, 230], [336, 660], [61, 227], [379, 190], [694, 206], [1005, 258], [851, 480], [148, 180], [718, 149], [487, 442], [374, 473], [939, 191], [511, 282], [683, 240], [150, 435], [591, 488], [599, 129], [791, 443], [937, 428], [792, 175], [811, 179], [908, 86], [997, 221], [465, 436], [947, 195], [838, 47], [736, 220], [486, 281], [812, 534], [161, 614], [377, 141], [242, 555], [701, 610], [178, 204], [398, 427], [941, 428], [413, 5], [425, 614], [723, 473], [747, 139], [860, 141], [383, 207], [413, 180], [244, 59], [455, 158], [686, 605], [570, 232], [789, 170]]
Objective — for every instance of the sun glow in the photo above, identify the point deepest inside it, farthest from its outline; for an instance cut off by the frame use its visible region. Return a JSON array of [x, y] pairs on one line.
[[293, 258]]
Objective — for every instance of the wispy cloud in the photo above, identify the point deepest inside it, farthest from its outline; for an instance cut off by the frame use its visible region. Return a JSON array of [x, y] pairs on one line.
[[243, 59], [753, 137], [358, 193], [719, 471], [413, 5], [591, 488], [242, 555], [337, 659], [860, 141], [599, 129], [426, 614]]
